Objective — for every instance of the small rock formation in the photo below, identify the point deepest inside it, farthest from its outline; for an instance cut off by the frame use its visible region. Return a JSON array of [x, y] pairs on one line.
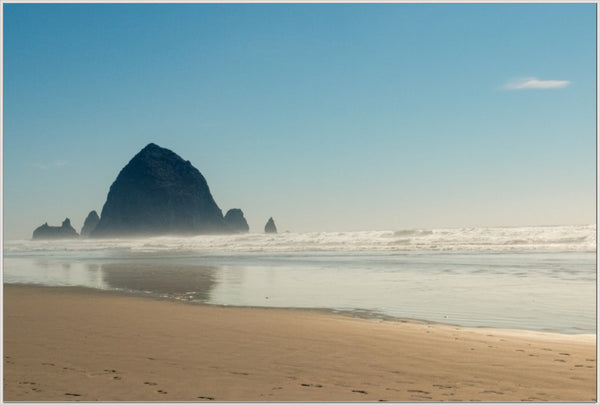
[[65, 231], [270, 226], [90, 223], [236, 221], [159, 193]]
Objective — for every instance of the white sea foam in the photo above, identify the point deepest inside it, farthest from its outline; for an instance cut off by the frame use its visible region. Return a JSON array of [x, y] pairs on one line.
[[492, 239]]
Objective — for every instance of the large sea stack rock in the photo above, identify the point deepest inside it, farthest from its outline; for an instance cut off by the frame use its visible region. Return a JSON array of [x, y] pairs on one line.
[[66, 231], [159, 193], [236, 221], [270, 226], [90, 223]]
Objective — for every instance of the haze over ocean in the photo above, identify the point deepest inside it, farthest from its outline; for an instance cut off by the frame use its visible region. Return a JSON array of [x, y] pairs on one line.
[[328, 117]]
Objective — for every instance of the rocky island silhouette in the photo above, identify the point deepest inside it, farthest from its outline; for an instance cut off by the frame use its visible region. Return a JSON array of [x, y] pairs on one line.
[[156, 193]]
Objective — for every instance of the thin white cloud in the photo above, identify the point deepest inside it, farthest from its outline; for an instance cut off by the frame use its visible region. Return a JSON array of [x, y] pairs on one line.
[[533, 83]]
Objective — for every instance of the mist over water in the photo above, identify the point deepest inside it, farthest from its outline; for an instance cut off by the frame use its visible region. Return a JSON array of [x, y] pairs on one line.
[[539, 278], [498, 239]]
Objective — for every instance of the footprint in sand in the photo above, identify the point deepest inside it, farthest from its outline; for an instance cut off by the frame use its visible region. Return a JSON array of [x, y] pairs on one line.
[[418, 391], [161, 392], [312, 385], [26, 382], [405, 382], [360, 391], [149, 383], [564, 354], [561, 360], [73, 395], [207, 398]]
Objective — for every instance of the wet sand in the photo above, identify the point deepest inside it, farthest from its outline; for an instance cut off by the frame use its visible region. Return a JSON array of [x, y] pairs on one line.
[[63, 344]]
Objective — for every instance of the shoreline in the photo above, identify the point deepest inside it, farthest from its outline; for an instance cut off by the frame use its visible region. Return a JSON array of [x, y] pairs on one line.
[[74, 343], [360, 314], [441, 289]]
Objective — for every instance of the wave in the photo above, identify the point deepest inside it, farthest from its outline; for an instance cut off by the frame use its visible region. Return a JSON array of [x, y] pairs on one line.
[[413, 232], [492, 239]]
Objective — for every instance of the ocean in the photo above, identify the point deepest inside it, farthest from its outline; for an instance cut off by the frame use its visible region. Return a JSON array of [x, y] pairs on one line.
[[533, 278]]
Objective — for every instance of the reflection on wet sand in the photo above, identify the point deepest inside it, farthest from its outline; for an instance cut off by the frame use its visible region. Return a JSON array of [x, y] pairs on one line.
[[557, 294], [189, 282]]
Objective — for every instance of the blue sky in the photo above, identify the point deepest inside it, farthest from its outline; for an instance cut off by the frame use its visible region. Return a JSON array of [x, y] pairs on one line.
[[325, 116]]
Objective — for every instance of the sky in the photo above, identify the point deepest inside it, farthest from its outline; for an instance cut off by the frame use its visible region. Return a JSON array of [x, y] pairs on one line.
[[327, 117]]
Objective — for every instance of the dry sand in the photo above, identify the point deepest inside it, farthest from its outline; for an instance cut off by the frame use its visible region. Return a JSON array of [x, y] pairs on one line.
[[64, 344]]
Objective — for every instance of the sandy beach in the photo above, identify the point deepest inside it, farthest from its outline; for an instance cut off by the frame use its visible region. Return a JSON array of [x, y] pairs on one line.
[[63, 344]]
